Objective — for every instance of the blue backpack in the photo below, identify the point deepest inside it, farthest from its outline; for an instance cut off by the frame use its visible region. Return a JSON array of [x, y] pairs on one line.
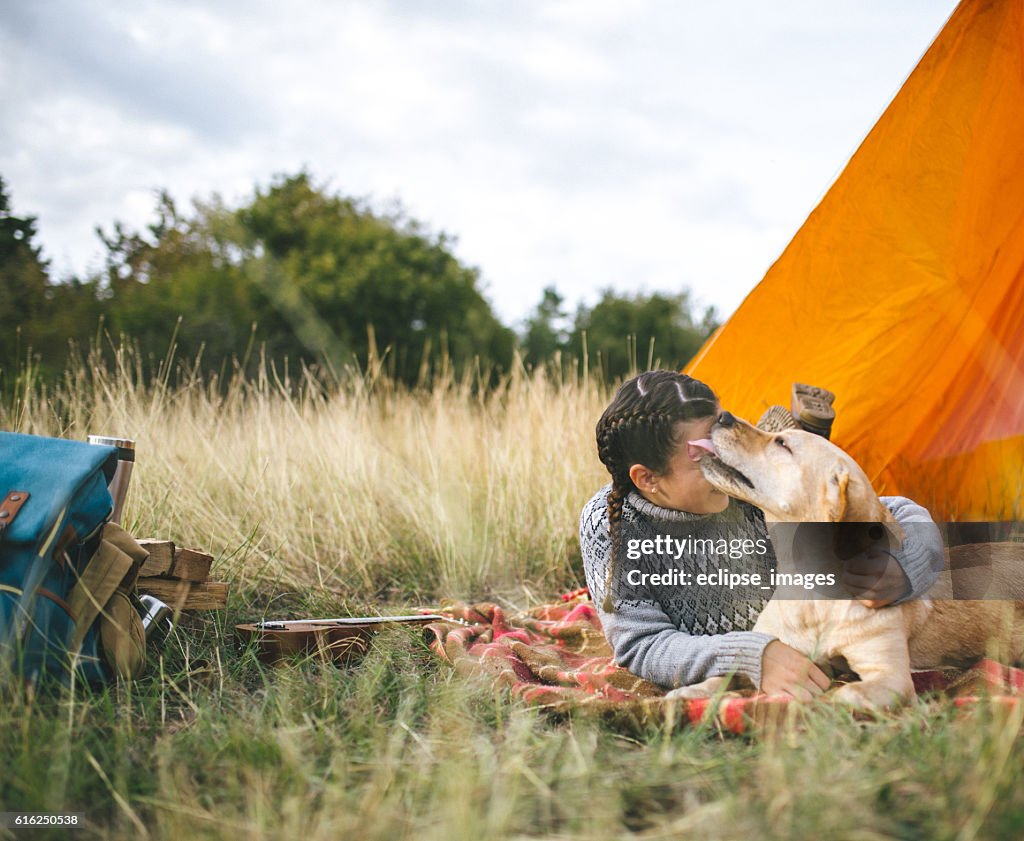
[[66, 574]]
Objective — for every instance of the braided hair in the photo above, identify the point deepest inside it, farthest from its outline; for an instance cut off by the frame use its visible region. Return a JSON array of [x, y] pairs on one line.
[[639, 427]]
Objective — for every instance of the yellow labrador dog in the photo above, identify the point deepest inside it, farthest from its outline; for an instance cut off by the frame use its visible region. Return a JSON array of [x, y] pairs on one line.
[[794, 476]]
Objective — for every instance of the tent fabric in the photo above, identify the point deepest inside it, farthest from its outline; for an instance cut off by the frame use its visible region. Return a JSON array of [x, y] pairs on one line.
[[903, 292]]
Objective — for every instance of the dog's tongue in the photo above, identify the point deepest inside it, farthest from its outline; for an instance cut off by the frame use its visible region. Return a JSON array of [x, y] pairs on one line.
[[696, 449]]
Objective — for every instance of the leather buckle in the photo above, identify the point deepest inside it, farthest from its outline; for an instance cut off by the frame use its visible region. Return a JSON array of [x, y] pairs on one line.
[[10, 507]]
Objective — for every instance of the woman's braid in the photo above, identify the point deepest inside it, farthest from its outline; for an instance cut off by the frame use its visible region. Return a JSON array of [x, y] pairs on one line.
[[638, 428], [608, 450]]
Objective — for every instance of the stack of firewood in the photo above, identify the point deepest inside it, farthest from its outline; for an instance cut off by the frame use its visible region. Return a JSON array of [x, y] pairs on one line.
[[180, 577]]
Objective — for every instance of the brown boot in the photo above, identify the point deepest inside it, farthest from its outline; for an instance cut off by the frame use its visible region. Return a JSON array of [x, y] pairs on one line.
[[777, 419], [812, 408]]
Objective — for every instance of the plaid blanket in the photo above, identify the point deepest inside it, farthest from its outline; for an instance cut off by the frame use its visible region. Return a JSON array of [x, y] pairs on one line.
[[555, 656]]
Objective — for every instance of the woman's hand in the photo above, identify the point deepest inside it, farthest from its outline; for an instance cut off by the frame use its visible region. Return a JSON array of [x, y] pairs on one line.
[[875, 578], [785, 671]]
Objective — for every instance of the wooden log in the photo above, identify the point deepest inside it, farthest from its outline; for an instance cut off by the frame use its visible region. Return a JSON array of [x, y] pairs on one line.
[[161, 556], [168, 590], [186, 595], [191, 565]]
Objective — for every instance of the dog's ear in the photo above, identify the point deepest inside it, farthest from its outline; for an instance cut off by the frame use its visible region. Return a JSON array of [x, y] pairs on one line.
[[835, 492]]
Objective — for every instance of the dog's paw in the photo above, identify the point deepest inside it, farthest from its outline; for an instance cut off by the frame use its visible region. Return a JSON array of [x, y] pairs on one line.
[[705, 689], [690, 693], [869, 696]]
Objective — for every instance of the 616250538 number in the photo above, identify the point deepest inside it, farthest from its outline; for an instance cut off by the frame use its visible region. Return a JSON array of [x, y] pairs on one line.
[[13, 820]]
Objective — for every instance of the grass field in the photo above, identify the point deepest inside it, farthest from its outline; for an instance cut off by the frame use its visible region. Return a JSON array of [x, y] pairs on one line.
[[363, 497]]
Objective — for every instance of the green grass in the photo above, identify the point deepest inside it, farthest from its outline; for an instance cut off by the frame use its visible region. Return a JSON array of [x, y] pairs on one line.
[[212, 744], [362, 497]]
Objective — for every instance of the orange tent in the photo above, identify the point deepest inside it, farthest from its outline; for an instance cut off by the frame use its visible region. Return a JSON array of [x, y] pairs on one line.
[[903, 292]]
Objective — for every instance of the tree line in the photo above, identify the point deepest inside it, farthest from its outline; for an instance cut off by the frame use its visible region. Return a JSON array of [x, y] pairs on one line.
[[307, 275]]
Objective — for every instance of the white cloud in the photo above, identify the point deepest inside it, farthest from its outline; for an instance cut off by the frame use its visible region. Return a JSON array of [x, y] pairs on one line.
[[591, 144]]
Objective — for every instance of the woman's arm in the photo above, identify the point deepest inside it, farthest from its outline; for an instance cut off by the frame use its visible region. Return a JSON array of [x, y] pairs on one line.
[[873, 577], [921, 556], [643, 637], [645, 641]]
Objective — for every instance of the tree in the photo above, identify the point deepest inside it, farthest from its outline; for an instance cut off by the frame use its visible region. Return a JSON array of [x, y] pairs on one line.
[[312, 269], [181, 280], [624, 333], [331, 266], [23, 283], [38, 317], [546, 330]]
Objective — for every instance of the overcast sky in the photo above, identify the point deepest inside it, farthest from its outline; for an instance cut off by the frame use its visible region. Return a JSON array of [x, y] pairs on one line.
[[586, 143]]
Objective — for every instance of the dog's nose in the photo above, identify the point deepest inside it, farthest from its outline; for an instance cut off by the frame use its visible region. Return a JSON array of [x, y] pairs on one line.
[[726, 419]]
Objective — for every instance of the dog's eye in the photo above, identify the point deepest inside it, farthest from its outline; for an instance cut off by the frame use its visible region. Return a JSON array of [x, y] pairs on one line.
[[782, 443]]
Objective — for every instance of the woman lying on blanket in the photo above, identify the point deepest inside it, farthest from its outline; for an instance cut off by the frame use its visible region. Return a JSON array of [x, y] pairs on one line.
[[659, 514]]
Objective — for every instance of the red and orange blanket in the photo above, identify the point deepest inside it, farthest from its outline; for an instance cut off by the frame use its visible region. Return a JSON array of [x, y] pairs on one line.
[[555, 656]]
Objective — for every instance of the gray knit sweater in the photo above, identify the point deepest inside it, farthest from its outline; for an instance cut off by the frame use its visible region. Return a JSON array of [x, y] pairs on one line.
[[679, 635]]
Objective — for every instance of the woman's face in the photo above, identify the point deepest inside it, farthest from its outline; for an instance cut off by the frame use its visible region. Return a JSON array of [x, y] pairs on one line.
[[683, 486]]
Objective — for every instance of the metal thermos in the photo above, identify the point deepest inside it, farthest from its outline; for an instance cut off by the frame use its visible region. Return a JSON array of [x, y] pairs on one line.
[[125, 461], [157, 617]]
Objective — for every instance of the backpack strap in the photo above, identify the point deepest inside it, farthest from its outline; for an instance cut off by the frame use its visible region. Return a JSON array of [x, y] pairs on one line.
[[112, 571]]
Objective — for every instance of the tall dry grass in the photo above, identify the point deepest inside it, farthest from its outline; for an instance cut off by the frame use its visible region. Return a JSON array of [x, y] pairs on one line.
[[358, 487], [362, 492]]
